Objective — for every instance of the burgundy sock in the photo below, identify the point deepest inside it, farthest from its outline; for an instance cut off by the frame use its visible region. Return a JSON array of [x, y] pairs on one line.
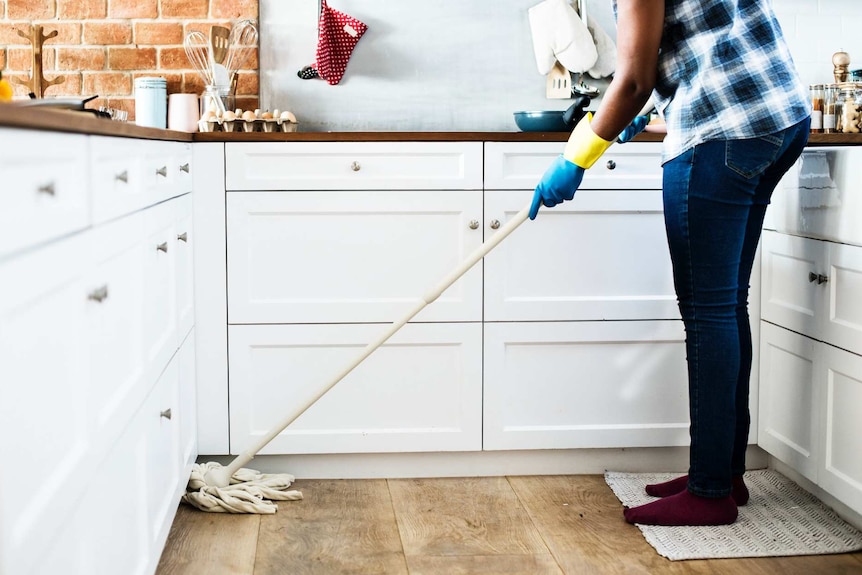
[[684, 508], [738, 491]]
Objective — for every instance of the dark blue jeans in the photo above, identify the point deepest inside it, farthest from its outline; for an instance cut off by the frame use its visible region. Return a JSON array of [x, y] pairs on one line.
[[715, 198]]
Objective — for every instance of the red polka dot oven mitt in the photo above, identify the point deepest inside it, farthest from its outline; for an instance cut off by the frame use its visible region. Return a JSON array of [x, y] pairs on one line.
[[337, 37]]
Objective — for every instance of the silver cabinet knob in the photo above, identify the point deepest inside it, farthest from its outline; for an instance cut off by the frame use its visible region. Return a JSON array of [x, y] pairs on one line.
[[819, 278], [184, 168], [122, 177], [163, 247], [612, 165], [166, 413], [48, 188], [474, 224], [163, 171], [183, 237], [355, 166], [495, 224], [99, 294]]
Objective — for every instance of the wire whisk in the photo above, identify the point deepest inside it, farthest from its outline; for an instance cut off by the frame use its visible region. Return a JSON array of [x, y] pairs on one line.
[[241, 45], [197, 48]]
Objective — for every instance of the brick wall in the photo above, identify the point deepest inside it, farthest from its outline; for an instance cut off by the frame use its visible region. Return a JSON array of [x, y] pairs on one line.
[[103, 45]]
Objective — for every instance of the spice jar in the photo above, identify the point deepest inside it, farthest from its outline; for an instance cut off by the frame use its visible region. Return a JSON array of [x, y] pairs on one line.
[[816, 108], [848, 121], [831, 103]]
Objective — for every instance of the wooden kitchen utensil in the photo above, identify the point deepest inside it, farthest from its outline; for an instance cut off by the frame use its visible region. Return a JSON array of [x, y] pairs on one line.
[[559, 83], [220, 41]]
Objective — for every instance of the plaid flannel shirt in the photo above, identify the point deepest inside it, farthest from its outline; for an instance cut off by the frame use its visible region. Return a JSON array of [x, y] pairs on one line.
[[725, 72]]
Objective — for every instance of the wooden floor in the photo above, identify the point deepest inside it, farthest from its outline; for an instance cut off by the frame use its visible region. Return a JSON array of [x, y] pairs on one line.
[[490, 525]]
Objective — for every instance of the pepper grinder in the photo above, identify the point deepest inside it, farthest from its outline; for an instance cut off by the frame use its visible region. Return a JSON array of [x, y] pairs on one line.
[[841, 63]]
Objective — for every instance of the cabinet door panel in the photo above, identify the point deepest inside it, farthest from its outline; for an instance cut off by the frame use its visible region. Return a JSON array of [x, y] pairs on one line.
[[585, 384], [420, 391], [160, 316], [184, 246], [296, 257], [44, 187], [841, 471], [44, 384], [603, 256], [789, 417], [791, 294], [842, 324], [520, 165]]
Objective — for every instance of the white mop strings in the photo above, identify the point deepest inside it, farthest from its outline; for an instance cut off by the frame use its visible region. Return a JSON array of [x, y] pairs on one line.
[[250, 491]]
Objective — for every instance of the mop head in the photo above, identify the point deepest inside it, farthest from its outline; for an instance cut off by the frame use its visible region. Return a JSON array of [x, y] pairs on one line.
[[249, 491]]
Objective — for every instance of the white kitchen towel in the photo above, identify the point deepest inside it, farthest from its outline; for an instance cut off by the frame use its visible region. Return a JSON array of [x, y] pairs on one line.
[[559, 34], [780, 519]]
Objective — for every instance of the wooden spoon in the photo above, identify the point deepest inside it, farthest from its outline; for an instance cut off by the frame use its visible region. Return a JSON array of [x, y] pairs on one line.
[[219, 39]]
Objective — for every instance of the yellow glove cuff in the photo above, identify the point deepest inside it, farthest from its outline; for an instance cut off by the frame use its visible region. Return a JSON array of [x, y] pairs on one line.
[[584, 147]]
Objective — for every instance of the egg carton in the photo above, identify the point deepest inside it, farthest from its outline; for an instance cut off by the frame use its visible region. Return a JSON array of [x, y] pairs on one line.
[[240, 125]]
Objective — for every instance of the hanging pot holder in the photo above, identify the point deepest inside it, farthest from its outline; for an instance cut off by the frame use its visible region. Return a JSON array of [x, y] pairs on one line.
[[338, 35]]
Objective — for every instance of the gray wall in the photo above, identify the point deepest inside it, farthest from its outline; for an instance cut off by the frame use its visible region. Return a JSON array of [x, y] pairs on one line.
[[457, 65]]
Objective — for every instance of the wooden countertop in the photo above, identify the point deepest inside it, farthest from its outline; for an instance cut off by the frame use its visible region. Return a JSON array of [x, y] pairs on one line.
[[80, 122]]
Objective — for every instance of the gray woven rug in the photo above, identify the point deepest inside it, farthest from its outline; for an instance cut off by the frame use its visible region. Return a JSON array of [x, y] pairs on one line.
[[780, 519]]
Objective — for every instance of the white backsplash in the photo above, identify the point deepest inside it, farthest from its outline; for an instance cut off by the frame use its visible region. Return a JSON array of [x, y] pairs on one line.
[[437, 65]]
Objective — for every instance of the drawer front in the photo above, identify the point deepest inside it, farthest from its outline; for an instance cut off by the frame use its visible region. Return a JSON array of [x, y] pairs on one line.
[[353, 166], [44, 190], [117, 182], [603, 257], [420, 391], [307, 257], [520, 166]]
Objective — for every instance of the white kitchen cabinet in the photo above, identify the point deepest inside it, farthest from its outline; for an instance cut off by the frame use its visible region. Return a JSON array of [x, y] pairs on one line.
[[340, 257], [44, 188], [88, 351], [811, 366], [601, 256], [789, 425], [420, 391], [354, 166], [553, 385]]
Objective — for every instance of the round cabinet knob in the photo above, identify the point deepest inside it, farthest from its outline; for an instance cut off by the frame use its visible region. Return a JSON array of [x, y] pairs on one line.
[[163, 171], [48, 188], [166, 413], [495, 224], [98, 295], [183, 237], [122, 177], [163, 247], [184, 168], [819, 278], [355, 166], [612, 165], [474, 224]]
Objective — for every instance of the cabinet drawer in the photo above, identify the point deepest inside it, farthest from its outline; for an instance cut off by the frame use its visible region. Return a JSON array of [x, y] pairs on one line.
[[564, 385], [420, 391], [45, 188], [353, 166], [306, 257], [602, 257], [520, 166]]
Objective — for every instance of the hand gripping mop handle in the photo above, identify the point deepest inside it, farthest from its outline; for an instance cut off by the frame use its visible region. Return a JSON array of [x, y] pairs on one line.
[[221, 477]]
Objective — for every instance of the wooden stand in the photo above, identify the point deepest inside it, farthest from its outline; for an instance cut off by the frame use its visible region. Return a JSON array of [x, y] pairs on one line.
[[37, 83]]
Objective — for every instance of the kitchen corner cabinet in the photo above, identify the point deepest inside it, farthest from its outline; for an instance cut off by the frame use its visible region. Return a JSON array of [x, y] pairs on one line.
[[811, 339], [328, 243], [96, 351]]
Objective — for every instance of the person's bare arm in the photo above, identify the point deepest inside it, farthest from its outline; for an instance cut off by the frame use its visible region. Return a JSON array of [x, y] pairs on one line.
[[639, 30]]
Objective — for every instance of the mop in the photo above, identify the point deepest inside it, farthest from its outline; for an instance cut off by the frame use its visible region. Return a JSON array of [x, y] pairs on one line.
[[234, 489]]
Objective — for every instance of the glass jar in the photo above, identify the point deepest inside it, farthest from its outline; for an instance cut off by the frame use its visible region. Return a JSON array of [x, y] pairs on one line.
[[218, 99], [831, 104], [816, 91], [848, 120]]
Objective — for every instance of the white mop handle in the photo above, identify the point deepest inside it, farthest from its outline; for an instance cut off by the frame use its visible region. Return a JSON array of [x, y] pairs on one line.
[[429, 297]]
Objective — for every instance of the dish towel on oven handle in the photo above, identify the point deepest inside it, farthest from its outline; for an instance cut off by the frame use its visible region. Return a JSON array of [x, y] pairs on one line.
[[337, 36]]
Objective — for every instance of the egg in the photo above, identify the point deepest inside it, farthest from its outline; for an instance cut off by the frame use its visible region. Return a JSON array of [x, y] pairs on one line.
[[266, 115], [288, 117], [230, 116], [248, 116]]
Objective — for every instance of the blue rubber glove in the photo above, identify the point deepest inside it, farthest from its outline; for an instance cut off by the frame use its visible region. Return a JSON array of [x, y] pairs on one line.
[[636, 127], [558, 184]]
